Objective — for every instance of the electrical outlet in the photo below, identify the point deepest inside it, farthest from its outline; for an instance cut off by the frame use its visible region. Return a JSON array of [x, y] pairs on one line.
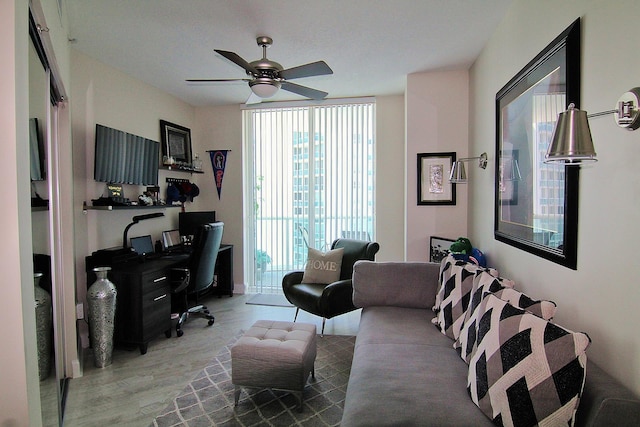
[[79, 311]]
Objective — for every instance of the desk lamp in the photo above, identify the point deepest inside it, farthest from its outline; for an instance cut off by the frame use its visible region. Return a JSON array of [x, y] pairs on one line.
[[136, 219]]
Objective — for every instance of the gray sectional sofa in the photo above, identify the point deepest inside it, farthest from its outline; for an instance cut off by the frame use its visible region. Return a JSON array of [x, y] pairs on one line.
[[405, 371]]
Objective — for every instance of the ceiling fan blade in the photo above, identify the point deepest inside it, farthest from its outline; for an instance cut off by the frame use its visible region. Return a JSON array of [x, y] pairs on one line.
[[303, 90], [318, 68], [216, 80], [236, 59]]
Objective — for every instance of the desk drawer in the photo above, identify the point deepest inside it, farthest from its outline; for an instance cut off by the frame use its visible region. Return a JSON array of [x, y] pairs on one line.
[[155, 280], [156, 309]]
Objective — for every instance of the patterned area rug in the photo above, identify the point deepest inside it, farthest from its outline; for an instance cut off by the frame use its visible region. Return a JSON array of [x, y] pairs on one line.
[[208, 399]]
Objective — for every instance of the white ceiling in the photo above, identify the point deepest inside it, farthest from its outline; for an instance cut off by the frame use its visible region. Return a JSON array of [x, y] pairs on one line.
[[371, 45]]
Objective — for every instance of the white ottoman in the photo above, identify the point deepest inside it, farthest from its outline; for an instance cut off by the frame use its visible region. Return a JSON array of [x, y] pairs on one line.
[[276, 355]]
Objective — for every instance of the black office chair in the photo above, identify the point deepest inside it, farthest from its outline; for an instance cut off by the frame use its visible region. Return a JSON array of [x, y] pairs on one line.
[[197, 275], [335, 298]]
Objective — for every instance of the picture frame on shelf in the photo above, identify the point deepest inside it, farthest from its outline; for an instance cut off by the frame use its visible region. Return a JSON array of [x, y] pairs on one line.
[[536, 204], [176, 145], [434, 187]]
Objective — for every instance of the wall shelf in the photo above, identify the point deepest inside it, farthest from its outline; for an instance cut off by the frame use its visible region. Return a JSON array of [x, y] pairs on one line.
[[86, 207], [181, 169]]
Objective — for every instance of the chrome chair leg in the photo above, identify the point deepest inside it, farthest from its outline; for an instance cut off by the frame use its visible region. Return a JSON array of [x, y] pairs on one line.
[[296, 316], [322, 331]]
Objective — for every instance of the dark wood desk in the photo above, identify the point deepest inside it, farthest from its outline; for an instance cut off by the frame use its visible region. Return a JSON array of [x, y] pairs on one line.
[[143, 302], [223, 283], [143, 307]]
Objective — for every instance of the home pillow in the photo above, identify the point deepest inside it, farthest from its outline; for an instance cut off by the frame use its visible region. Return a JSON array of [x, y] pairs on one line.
[[456, 281], [483, 284], [323, 268], [525, 370]]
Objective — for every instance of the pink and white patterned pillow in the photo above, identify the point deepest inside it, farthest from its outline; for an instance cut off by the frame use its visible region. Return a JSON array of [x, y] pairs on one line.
[[452, 298], [483, 284], [525, 370]]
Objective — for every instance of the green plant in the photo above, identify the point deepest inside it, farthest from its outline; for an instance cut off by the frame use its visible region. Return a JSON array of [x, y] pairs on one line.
[[262, 259]]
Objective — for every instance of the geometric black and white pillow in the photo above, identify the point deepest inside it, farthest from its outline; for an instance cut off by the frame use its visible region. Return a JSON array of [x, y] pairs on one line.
[[525, 370], [452, 298], [483, 284], [541, 308]]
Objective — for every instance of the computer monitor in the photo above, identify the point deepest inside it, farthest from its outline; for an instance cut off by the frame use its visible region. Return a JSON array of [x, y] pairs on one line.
[[170, 239], [188, 222], [142, 245]]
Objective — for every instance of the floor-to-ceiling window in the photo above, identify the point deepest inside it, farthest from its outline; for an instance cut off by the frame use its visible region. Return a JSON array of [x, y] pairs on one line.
[[309, 179]]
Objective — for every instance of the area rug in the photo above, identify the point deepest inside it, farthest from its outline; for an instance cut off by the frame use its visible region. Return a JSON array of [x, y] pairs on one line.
[[273, 300], [208, 399]]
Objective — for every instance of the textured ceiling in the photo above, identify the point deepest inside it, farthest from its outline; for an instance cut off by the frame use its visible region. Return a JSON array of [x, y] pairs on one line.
[[371, 45]]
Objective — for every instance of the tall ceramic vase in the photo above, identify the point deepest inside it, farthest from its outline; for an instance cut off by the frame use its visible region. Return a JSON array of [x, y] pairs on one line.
[[101, 299], [43, 327]]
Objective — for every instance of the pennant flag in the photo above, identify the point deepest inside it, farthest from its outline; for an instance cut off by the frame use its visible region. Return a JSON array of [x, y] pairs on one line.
[[218, 162]]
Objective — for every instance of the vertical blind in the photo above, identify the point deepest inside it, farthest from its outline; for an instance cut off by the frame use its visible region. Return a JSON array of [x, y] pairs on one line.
[[311, 176]]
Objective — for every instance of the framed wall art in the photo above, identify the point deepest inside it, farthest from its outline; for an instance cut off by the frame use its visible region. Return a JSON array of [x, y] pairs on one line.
[[176, 144], [439, 248], [536, 204], [434, 187]]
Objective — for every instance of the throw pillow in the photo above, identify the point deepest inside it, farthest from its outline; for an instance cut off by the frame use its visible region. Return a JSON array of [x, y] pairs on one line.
[[483, 284], [525, 370], [323, 268], [541, 308], [456, 281]]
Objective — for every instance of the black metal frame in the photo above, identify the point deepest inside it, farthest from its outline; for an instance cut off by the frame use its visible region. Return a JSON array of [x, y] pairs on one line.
[[450, 158], [561, 54], [170, 130]]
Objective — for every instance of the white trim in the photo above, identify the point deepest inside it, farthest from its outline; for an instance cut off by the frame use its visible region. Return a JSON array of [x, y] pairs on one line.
[[309, 103]]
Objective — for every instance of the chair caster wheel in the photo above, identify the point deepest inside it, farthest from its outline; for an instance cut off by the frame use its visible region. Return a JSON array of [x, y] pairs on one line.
[[179, 333], [211, 322]]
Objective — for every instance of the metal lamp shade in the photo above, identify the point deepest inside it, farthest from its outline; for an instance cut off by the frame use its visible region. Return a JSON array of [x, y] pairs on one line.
[[458, 173], [571, 142]]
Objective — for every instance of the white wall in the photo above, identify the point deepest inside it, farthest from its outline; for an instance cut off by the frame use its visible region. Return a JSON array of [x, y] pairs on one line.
[[436, 121], [601, 297], [390, 173], [104, 95], [220, 128], [19, 391]]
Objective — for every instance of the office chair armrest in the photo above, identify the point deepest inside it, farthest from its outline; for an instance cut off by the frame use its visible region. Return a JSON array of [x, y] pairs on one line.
[[290, 279], [180, 279]]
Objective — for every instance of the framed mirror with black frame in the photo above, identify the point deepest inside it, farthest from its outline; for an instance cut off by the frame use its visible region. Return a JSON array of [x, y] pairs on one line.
[[536, 204]]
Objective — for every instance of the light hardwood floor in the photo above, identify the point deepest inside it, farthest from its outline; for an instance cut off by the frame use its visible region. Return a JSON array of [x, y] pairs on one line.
[[135, 388]]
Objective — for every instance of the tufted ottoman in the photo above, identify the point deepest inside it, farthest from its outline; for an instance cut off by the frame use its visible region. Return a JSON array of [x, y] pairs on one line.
[[276, 355]]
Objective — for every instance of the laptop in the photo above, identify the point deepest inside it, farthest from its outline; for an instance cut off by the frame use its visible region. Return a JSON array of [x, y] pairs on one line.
[[143, 245], [172, 242]]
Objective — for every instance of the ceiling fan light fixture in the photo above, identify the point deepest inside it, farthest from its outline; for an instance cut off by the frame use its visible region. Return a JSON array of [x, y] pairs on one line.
[[264, 88]]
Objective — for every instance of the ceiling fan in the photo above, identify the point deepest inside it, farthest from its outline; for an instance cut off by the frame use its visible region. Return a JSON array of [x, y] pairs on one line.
[[266, 77]]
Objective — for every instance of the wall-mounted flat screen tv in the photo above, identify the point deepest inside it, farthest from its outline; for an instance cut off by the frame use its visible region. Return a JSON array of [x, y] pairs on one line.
[[124, 158]]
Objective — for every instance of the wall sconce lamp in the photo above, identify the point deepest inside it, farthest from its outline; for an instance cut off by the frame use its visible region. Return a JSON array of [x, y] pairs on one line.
[[459, 174], [571, 143]]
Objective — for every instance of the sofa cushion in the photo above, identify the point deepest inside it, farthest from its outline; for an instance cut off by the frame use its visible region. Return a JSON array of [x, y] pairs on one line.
[[405, 373], [323, 268], [452, 299], [525, 370], [483, 284]]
